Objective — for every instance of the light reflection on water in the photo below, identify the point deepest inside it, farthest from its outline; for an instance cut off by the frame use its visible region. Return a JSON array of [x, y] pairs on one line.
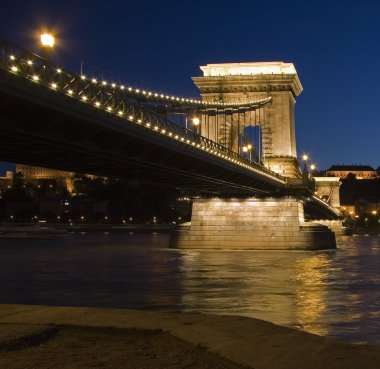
[[333, 293], [285, 288]]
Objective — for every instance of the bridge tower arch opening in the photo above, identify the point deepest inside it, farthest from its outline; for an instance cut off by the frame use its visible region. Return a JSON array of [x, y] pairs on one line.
[[251, 143], [244, 82]]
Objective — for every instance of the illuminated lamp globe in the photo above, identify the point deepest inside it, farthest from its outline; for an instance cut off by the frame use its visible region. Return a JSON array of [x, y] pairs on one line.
[[305, 157], [245, 148], [196, 121], [312, 166], [47, 40], [249, 146]]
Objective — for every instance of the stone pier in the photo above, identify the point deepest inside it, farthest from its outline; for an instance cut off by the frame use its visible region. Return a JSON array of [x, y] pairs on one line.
[[241, 224]]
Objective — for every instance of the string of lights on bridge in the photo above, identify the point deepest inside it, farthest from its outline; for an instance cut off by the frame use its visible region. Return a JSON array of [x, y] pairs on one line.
[[48, 41], [70, 92], [151, 94]]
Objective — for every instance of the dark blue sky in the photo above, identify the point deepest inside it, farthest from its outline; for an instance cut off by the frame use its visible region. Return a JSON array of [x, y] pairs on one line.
[[160, 45]]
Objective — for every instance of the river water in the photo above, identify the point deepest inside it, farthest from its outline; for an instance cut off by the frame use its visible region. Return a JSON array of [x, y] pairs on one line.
[[333, 293]]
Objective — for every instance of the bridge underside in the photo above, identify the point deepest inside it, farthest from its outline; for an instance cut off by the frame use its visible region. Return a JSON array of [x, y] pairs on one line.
[[50, 130]]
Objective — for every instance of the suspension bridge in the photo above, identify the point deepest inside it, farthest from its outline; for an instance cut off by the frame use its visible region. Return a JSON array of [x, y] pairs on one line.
[[55, 118]]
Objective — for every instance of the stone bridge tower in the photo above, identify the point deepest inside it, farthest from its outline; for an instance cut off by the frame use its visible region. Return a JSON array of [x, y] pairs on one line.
[[277, 222], [245, 82]]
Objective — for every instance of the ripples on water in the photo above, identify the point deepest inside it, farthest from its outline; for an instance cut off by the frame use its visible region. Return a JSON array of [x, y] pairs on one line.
[[334, 293]]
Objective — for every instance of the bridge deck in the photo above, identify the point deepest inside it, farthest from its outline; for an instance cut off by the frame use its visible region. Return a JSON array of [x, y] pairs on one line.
[[39, 126]]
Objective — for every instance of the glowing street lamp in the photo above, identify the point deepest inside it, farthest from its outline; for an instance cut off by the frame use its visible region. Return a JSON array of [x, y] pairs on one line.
[[245, 149], [249, 147], [313, 167], [196, 122], [47, 40], [305, 159]]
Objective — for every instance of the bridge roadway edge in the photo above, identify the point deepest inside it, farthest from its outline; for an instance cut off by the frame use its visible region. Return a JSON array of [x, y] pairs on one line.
[[246, 341]]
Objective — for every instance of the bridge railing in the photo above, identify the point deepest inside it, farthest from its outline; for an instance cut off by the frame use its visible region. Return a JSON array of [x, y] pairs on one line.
[[116, 100]]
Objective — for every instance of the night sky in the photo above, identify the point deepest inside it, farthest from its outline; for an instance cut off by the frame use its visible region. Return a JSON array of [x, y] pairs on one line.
[[335, 47]]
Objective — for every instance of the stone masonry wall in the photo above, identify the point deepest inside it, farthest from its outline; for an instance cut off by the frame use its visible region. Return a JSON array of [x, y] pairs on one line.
[[252, 224]]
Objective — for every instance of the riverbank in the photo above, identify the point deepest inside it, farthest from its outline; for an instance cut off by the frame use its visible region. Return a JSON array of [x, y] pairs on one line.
[[366, 231], [127, 228], [67, 337], [35, 230]]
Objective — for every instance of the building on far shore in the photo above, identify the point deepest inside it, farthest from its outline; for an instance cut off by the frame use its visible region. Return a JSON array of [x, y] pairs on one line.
[[7, 180], [359, 197], [34, 174], [360, 171]]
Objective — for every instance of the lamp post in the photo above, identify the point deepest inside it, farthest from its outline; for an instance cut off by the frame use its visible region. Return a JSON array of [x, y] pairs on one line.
[[196, 123], [47, 42], [304, 158], [249, 147], [246, 149], [305, 174]]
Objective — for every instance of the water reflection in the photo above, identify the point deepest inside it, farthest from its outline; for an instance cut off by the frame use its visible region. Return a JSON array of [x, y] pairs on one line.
[[327, 293], [286, 288], [238, 282], [311, 293]]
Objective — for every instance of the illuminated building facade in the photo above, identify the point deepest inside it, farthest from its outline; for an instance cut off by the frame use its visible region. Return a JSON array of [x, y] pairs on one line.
[[360, 171], [6, 181], [34, 174]]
